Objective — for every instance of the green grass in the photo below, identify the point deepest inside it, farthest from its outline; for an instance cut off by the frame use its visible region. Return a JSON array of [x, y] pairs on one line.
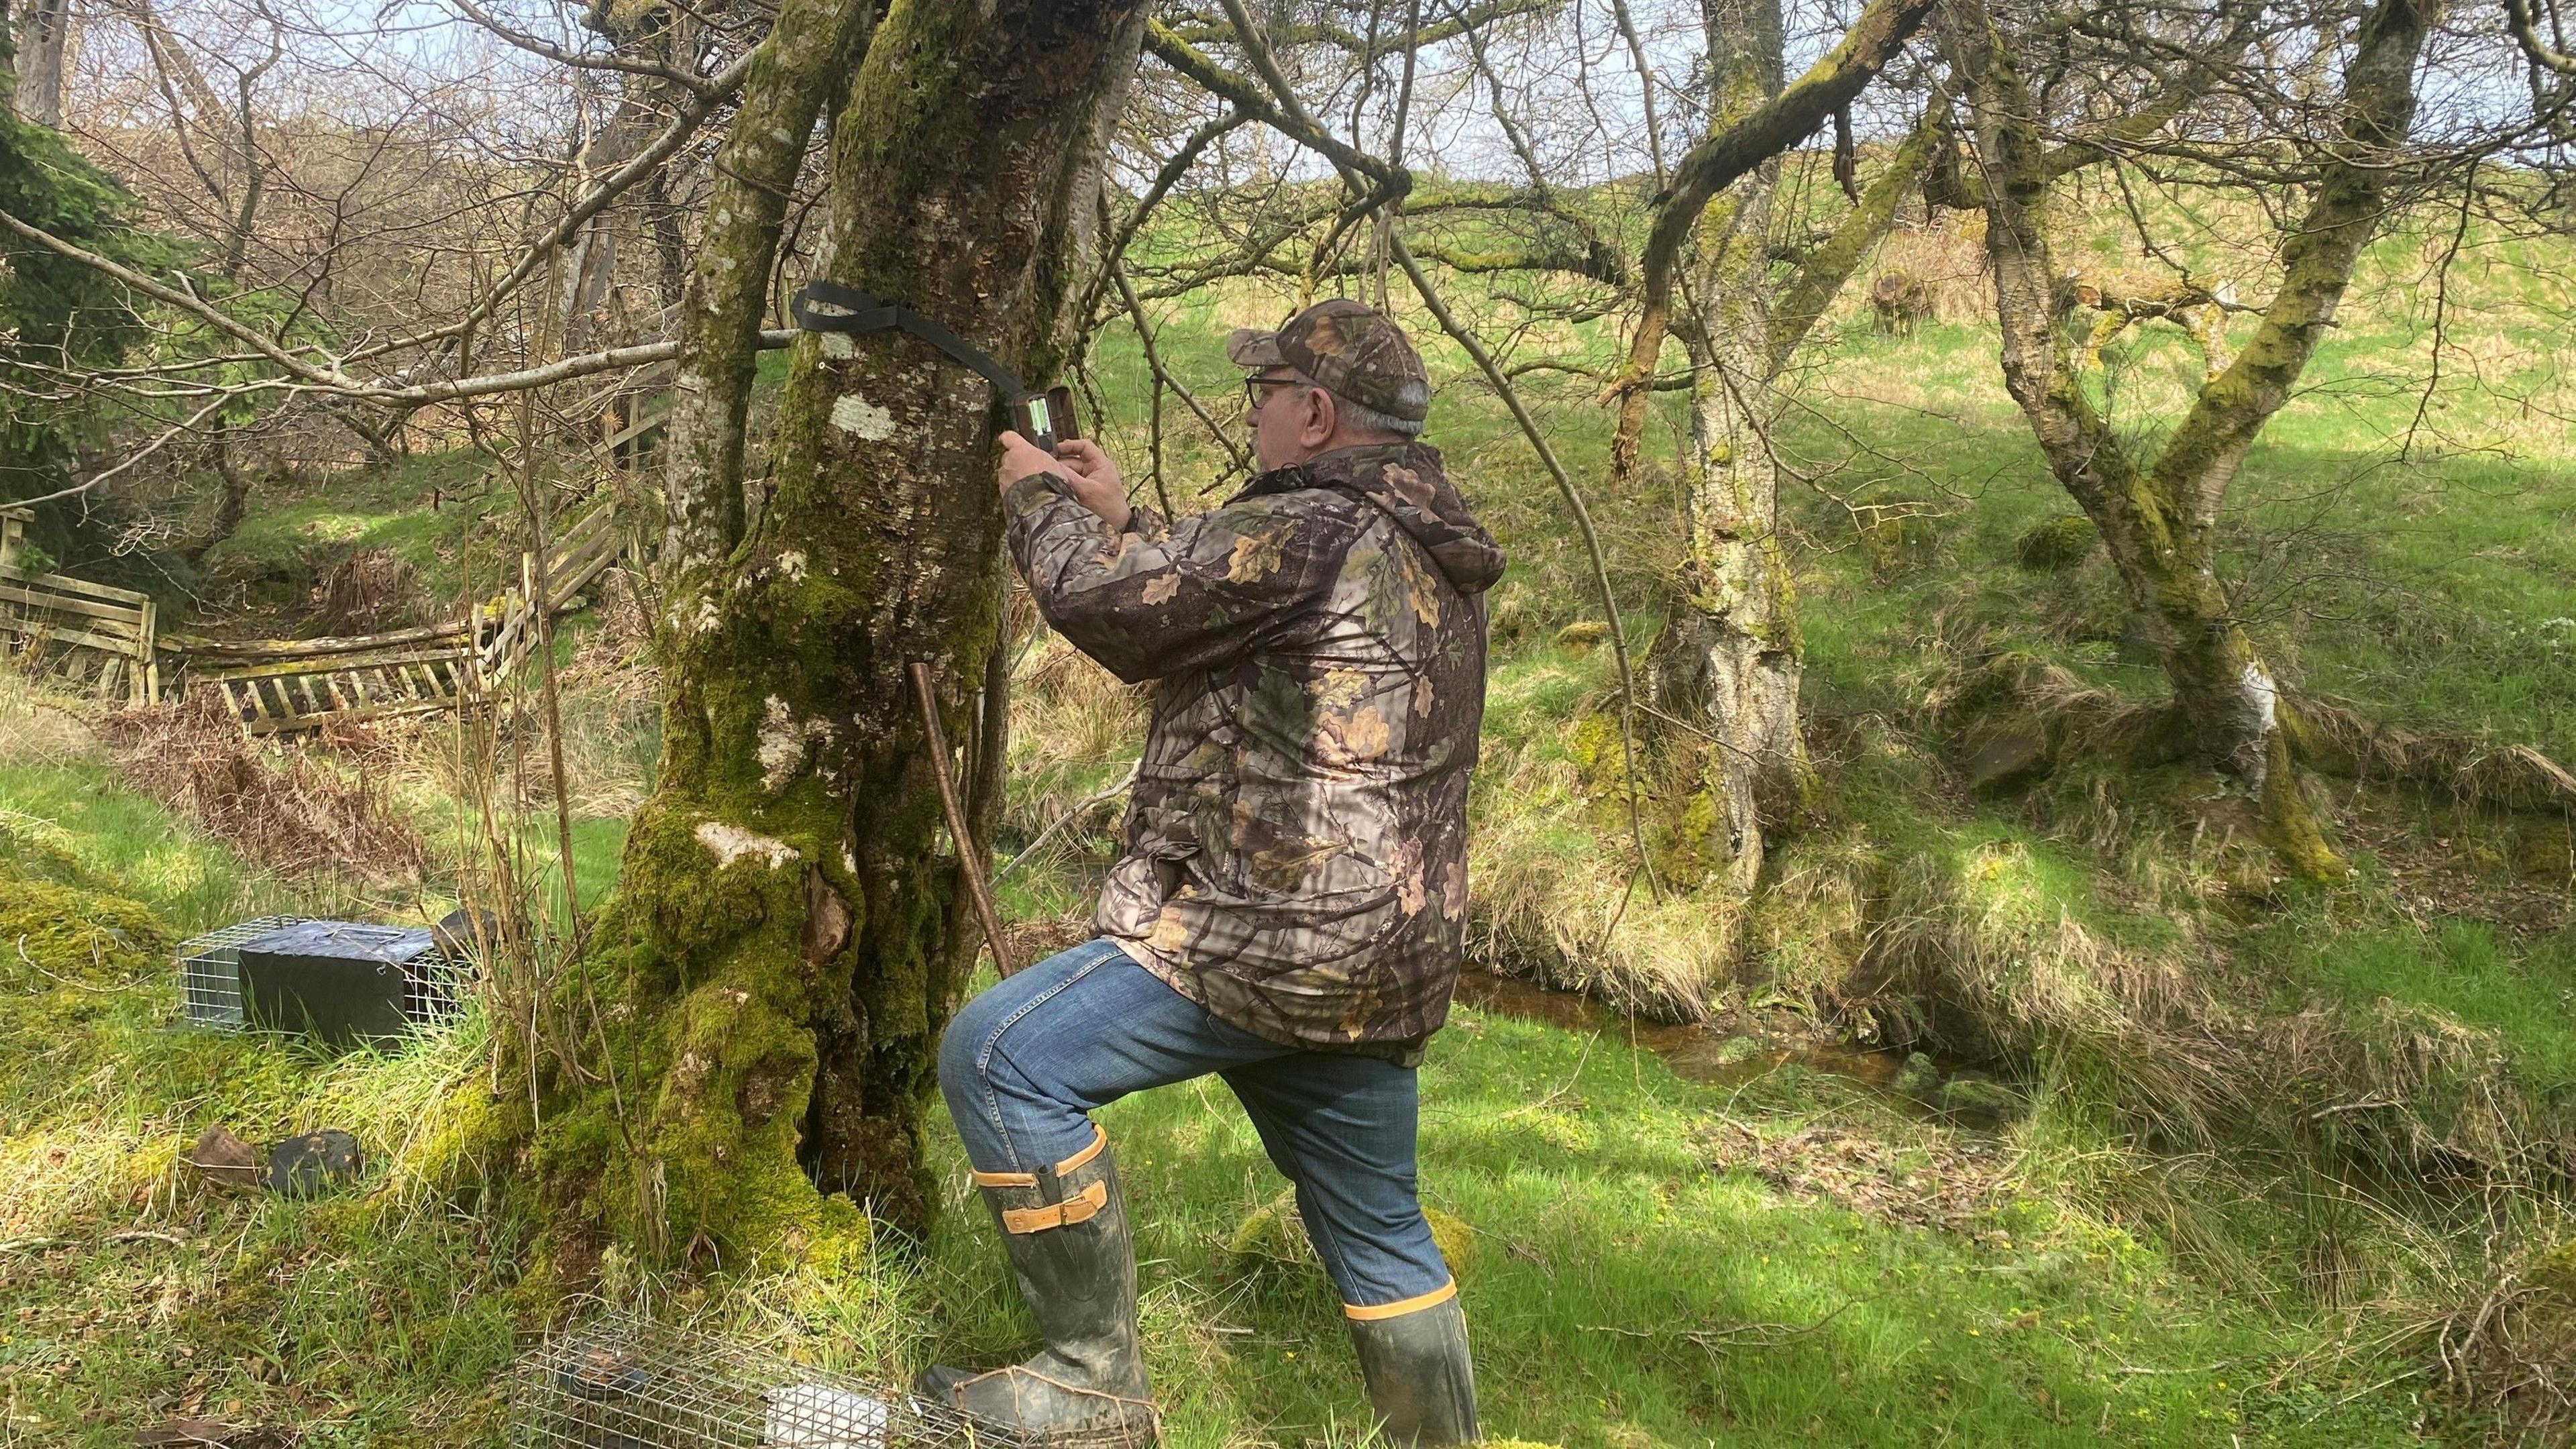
[[75, 815], [1622, 1291], [287, 542], [2523, 992], [1625, 1289], [1579, 1162]]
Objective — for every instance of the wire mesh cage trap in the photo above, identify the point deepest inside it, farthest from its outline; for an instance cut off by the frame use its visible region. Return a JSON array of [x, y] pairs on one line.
[[620, 1381], [210, 970], [433, 980]]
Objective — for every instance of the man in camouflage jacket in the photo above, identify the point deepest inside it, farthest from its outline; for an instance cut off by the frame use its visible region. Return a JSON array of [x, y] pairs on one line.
[[1288, 905]]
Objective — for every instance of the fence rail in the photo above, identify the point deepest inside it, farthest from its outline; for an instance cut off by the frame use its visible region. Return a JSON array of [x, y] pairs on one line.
[[99, 639], [106, 641]]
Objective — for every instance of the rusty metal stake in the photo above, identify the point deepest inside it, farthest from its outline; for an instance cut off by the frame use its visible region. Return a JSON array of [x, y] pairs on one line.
[[966, 848]]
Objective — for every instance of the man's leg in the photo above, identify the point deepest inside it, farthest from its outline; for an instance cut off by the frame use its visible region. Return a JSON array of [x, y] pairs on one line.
[[1343, 1130], [1023, 1066]]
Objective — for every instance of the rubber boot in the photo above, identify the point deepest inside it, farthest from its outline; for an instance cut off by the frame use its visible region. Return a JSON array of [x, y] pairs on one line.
[[1418, 1372], [1065, 1230]]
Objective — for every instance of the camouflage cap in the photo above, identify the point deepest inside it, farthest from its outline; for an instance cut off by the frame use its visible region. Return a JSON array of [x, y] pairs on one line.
[[1349, 348]]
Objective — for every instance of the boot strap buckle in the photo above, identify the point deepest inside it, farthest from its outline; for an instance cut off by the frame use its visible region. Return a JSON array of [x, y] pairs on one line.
[[1082, 1207]]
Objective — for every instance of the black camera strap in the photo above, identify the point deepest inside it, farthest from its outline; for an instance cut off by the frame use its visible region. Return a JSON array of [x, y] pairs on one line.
[[831, 307]]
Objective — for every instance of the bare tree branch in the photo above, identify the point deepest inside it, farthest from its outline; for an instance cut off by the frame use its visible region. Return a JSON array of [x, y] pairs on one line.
[[1781, 122], [583, 60]]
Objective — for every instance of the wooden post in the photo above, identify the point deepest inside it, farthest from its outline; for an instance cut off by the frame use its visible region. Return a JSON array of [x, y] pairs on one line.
[[147, 661]]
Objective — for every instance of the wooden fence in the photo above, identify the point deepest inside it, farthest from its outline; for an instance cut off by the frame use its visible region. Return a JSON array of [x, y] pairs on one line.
[[100, 640], [105, 641], [275, 686]]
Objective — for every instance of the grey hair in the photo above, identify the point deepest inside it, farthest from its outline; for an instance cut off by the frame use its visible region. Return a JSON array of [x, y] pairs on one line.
[[1368, 419]]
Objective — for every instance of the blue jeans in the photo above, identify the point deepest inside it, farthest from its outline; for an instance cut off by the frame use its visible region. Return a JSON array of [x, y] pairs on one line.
[[1024, 1064]]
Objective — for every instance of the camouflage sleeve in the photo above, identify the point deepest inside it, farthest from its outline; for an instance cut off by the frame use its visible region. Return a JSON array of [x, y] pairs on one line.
[[1158, 599], [1146, 524]]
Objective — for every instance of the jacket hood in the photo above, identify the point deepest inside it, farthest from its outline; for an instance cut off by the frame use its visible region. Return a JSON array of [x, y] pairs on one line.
[[1407, 482]]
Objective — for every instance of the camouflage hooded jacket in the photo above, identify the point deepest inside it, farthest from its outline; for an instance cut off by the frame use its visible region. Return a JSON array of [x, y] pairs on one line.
[[1295, 855]]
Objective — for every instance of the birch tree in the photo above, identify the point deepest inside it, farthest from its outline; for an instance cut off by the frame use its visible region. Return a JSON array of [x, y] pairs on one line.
[[1727, 665]]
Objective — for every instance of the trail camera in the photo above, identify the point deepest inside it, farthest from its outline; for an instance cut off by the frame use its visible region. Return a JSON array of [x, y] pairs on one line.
[[623, 1382], [341, 982], [1045, 418]]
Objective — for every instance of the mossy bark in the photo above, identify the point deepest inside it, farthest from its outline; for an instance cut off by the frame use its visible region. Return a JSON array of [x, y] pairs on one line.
[[789, 934], [2160, 519], [1789, 114], [1728, 662], [1727, 659]]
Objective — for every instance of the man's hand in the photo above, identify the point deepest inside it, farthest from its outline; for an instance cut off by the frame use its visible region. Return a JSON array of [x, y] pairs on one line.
[[1020, 459], [1097, 483]]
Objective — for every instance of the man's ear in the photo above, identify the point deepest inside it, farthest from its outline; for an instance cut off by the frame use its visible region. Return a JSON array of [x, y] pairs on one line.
[[1326, 419]]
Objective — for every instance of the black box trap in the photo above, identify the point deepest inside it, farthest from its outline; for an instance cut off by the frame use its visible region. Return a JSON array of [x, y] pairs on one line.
[[341, 982]]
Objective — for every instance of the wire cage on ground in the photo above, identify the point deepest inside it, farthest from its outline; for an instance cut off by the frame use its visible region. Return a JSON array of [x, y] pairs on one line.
[[434, 981], [620, 1381]]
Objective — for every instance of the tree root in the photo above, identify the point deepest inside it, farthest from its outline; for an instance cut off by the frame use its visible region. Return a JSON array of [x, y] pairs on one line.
[[2067, 720], [2336, 739]]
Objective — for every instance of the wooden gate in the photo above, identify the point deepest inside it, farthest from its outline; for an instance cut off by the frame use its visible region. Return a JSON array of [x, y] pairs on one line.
[[275, 686], [98, 639], [105, 641]]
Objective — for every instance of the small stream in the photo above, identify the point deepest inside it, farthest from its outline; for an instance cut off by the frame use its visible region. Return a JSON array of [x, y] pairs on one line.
[[1695, 1053]]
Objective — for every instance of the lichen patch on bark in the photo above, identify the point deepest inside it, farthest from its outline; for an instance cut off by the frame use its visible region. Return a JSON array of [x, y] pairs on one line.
[[782, 746], [855, 414], [730, 843]]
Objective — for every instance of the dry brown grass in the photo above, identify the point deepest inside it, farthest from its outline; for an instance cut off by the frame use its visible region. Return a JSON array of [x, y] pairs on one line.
[[2341, 740], [368, 592], [1946, 255], [1069, 717], [611, 706], [287, 811], [37, 726], [1980, 953], [1581, 921], [1955, 1181], [2508, 1347]]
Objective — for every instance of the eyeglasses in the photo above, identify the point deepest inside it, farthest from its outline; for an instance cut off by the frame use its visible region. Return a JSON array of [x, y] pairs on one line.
[[1253, 396]]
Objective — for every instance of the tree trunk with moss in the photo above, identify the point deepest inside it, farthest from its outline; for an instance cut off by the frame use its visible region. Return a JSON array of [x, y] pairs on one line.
[[1728, 662], [2160, 519], [790, 934]]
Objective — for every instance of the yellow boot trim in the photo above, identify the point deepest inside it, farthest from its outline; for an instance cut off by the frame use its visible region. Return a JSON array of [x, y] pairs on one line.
[[1082, 1207], [1099, 1139], [1371, 1313]]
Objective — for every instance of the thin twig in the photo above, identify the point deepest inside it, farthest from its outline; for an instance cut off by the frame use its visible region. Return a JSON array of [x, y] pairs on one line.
[[935, 743], [1071, 814], [1164, 379], [1583, 521], [2441, 313], [131, 1235], [64, 980], [1761, 1333]]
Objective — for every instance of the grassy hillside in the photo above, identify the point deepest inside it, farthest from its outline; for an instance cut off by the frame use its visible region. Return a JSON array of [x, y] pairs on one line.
[[2257, 1149], [1650, 1259]]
